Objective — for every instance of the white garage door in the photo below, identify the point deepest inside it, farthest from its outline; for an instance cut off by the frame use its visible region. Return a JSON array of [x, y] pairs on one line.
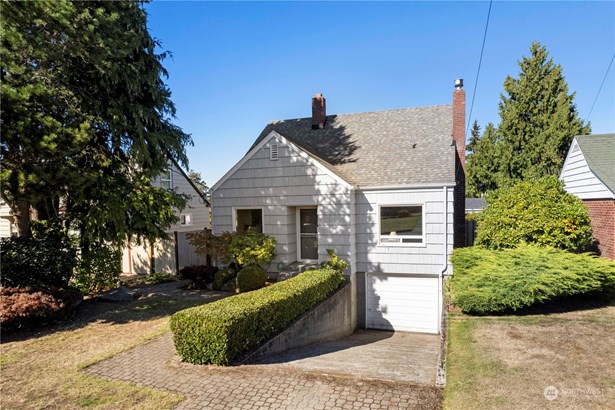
[[409, 304]]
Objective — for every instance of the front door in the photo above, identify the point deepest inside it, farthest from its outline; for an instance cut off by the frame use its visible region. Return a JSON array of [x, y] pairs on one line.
[[307, 220]]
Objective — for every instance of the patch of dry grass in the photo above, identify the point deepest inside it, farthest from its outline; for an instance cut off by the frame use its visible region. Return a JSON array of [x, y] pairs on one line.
[[43, 370], [506, 362]]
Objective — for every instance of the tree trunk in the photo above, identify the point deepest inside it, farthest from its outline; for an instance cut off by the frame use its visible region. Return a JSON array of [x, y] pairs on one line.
[[21, 213]]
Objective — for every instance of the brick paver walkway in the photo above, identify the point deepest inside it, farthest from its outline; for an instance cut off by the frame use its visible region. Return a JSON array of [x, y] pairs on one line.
[[270, 386]]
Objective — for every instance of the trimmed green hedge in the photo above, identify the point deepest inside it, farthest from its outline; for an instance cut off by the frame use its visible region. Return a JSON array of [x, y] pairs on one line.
[[487, 281], [220, 331]]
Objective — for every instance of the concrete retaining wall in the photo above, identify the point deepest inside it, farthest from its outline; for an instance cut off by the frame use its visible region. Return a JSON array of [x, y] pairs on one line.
[[330, 320]]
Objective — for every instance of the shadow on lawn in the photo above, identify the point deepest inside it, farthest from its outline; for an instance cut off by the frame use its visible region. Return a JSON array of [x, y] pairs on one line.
[[565, 305], [149, 307]]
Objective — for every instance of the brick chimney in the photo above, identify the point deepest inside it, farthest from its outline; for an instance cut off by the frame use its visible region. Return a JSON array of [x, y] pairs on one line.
[[459, 121], [319, 111]]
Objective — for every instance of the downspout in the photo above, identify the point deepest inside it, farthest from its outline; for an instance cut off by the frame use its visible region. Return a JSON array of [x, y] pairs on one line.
[[445, 253]]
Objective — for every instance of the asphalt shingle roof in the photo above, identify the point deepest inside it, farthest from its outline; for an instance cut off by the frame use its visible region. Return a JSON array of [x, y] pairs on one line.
[[382, 148], [599, 152]]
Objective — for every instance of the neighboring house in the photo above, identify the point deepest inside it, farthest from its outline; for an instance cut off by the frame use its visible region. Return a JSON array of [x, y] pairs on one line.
[[473, 206], [384, 189], [7, 227], [589, 173], [172, 255], [163, 256]]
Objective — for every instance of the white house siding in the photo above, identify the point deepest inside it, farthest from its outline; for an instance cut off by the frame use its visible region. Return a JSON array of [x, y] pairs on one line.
[[279, 187], [137, 258], [415, 259], [5, 227], [6, 220], [579, 179], [195, 205]]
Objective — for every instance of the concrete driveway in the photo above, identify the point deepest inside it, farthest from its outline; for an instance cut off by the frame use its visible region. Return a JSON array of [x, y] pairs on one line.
[[370, 354]]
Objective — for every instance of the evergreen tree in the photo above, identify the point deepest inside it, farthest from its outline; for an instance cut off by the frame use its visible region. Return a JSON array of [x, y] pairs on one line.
[[538, 119], [474, 136], [86, 119], [483, 164]]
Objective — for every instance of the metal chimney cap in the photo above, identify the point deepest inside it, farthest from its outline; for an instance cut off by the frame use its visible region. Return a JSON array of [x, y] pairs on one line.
[[459, 83]]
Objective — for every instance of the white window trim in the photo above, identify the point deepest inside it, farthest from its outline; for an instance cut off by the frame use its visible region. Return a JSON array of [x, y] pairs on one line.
[[298, 226], [423, 237], [240, 208], [170, 180], [187, 217]]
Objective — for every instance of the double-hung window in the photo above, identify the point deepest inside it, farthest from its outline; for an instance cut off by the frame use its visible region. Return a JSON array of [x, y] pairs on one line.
[[166, 181], [401, 224], [249, 220]]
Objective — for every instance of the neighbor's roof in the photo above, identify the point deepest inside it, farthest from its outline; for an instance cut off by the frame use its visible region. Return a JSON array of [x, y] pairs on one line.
[[382, 148], [599, 152], [475, 204]]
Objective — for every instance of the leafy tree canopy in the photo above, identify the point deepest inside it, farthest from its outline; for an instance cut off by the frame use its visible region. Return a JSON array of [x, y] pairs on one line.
[[86, 118], [534, 212]]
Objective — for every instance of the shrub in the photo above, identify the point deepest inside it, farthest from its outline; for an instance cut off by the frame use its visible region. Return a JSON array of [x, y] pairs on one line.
[[539, 212], [98, 269], [251, 278], [158, 277], [252, 249], [43, 260], [21, 306], [215, 246], [334, 262], [489, 281], [200, 275], [223, 276], [218, 332]]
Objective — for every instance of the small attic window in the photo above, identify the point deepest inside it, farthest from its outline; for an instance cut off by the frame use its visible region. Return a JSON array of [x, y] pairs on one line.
[[273, 152]]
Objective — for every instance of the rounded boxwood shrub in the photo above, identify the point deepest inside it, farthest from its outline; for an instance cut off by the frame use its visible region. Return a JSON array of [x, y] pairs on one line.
[[534, 211], [222, 277], [496, 281], [251, 278]]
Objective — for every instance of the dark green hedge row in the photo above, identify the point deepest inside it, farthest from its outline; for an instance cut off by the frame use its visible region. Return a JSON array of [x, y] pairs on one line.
[[487, 281], [218, 332]]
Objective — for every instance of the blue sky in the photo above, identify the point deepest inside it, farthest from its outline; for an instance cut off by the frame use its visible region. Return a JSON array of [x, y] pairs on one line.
[[238, 65]]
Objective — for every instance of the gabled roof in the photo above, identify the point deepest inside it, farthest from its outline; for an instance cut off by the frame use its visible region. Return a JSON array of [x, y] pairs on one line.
[[599, 152], [191, 182], [382, 148]]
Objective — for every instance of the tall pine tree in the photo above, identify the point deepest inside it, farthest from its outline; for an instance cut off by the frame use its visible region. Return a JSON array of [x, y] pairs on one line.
[[538, 119], [538, 122], [86, 119], [483, 164]]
